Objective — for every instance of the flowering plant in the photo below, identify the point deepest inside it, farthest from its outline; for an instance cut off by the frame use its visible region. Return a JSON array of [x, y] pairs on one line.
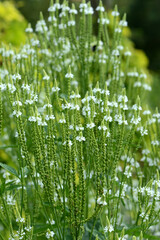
[[84, 148]]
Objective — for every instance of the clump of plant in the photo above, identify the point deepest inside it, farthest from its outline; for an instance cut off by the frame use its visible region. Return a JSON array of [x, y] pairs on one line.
[[12, 24], [84, 147]]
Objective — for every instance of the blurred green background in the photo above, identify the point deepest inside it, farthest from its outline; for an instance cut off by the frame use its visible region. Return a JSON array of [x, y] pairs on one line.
[[143, 18]]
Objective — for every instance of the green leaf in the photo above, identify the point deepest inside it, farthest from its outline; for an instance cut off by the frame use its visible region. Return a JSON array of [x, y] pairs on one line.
[[9, 169], [2, 188], [12, 187], [8, 146]]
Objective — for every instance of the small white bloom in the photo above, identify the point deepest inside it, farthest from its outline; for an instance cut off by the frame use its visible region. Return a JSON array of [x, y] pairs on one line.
[[155, 143], [46, 77], [17, 113], [118, 30], [74, 11], [104, 128], [123, 23], [55, 89], [115, 13], [20, 220], [80, 138], [127, 53], [17, 103], [137, 84], [62, 121], [115, 52], [16, 76], [104, 21], [47, 106], [109, 228], [3, 87], [136, 107], [69, 75], [29, 30], [90, 125], [108, 118], [71, 23], [49, 234], [100, 9], [147, 87]]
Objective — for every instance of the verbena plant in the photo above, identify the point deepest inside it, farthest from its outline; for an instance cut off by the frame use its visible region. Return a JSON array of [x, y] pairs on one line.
[[84, 148]]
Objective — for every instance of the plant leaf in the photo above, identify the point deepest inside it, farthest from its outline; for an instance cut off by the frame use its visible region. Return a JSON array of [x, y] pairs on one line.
[[9, 169]]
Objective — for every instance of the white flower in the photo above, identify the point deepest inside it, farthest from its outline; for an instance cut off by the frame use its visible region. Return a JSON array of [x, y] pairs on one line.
[[115, 13], [52, 19], [79, 128], [41, 26], [46, 77], [49, 234], [75, 96], [103, 21], [80, 138], [120, 47], [90, 125], [49, 117], [109, 228], [100, 8], [155, 143], [52, 222], [88, 10], [145, 151], [108, 118], [16, 76], [29, 30], [54, 7], [101, 202], [83, 6], [104, 128], [69, 143], [156, 115], [133, 74], [62, 121], [17, 103], [122, 98], [28, 229], [20, 220], [137, 84], [136, 107], [135, 121], [118, 30], [123, 23], [74, 11], [115, 52], [147, 87], [3, 87], [35, 42], [29, 101], [32, 119], [17, 113], [26, 87], [71, 23], [47, 105], [127, 53], [142, 131], [143, 75], [69, 75], [62, 26], [10, 200], [55, 89]]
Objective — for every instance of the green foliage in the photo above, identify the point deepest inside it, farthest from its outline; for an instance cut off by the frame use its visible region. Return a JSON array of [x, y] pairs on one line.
[[12, 24], [74, 121]]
